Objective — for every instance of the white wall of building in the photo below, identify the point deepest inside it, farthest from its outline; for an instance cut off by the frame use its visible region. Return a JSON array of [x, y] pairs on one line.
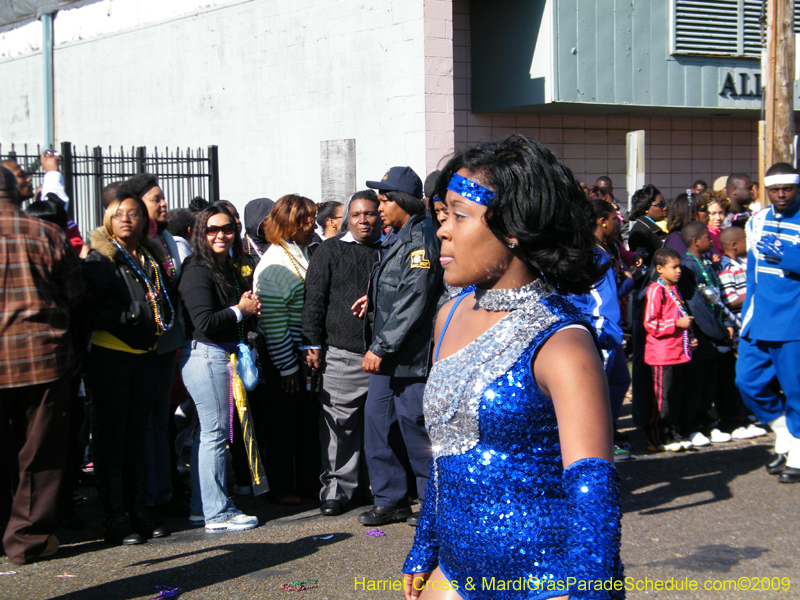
[[265, 80]]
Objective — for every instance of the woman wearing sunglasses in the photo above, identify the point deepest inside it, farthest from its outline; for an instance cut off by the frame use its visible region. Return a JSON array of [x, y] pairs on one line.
[[127, 309], [220, 310]]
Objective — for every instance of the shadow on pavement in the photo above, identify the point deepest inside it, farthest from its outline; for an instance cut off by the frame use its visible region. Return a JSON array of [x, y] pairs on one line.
[[222, 563], [717, 558], [653, 485]]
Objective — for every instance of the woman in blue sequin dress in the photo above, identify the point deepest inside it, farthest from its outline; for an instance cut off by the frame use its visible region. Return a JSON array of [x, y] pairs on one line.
[[523, 499]]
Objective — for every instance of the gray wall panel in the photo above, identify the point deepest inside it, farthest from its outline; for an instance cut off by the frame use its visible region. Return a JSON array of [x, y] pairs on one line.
[[659, 53], [566, 36], [589, 37], [606, 52], [622, 57], [642, 69], [605, 45]]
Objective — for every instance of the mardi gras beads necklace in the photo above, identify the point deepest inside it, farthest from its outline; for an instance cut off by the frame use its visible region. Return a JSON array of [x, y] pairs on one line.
[[240, 324], [298, 268], [153, 289], [673, 293], [169, 264]]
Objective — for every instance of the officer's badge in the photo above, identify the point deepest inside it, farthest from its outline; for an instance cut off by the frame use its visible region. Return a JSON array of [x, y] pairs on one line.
[[418, 260]]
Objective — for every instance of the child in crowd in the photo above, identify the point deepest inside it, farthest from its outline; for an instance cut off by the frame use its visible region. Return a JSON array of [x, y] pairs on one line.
[[711, 375], [733, 275], [668, 349]]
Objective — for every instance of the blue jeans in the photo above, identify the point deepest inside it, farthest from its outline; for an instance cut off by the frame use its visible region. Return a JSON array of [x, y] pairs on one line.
[[205, 374]]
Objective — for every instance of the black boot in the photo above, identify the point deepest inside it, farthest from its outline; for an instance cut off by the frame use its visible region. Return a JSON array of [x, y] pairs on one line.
[[135, 489], [118, 527]]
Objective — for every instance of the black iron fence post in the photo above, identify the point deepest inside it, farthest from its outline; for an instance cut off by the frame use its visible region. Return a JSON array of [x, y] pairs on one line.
[[97, 159], [68, 170], [141, 155], [213, 173]]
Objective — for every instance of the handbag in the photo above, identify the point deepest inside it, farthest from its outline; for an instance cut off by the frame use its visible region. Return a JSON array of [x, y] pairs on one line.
[[246, 367]]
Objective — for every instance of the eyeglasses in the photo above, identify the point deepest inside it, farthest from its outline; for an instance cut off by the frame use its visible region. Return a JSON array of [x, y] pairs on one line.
[[133, 215], [215, 229], [662, 204]]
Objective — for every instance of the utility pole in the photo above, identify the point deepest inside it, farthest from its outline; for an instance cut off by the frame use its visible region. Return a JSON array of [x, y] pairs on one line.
[[48, 81], [779, 86]]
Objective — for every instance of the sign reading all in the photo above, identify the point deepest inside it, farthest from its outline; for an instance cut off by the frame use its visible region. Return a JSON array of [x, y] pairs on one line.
[[743, 86]]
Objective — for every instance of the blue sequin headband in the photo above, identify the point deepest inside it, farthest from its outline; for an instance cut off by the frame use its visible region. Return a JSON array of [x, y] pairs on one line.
[[470, 190]]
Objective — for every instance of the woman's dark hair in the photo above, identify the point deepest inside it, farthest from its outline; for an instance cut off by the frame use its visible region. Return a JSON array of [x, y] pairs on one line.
[[198, 204], [642, 199], [48, 210], [410, 204], [601, 209], [537, 201], [434, 197], [680, 212], [139, 184], [699, 204], [325, 211], [202, 254], [180, 222]]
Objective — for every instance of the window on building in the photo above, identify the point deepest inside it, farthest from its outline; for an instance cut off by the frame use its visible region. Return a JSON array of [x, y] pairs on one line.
[[720, 27]]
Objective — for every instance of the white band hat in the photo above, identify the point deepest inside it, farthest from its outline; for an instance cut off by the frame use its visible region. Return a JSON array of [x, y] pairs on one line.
[[783, 179]]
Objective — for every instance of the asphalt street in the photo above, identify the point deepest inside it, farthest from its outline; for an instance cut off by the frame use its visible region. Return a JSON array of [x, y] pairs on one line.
[[712, 515]]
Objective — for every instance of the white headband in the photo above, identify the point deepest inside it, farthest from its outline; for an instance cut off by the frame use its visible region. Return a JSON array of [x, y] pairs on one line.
[[789, 178]]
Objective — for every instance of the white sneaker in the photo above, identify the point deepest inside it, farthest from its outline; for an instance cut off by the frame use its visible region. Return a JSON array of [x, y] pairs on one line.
[[719, 437], [756, 430], [672, 447], [236, 523], [744, 433], [242, 490], [698, 439]]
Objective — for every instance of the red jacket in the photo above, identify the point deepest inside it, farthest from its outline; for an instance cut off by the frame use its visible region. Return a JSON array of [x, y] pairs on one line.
[[664, 345]]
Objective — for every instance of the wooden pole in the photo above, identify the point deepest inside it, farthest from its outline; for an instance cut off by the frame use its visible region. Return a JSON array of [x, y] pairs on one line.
[[780, 83], [762, 191]]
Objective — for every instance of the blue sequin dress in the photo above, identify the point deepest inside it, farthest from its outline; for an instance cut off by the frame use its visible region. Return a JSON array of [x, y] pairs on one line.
[[500, 508]]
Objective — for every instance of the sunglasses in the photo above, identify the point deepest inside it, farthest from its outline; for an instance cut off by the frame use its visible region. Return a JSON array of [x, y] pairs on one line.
[[703, 209], [662, 204], [225, 229]]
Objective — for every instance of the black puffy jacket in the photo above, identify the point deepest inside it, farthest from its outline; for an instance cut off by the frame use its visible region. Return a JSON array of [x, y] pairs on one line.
[[116, 301], [404, 291]]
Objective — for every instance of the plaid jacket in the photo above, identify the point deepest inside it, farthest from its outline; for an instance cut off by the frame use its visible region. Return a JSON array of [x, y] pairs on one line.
[[40, 278]]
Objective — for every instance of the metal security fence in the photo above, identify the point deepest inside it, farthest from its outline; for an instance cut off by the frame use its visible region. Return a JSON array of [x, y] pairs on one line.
[[182, 174]]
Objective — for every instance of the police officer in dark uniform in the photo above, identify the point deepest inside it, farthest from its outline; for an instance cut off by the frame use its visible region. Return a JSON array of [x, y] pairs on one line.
[[402, 300]]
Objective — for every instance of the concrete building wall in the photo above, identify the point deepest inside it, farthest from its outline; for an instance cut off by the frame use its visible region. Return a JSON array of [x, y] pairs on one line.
[[265, 80], [677, 151]]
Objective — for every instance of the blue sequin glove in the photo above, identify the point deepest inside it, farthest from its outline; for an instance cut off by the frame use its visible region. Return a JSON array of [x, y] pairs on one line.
[[424, 554], [594, 526], [770, 247]]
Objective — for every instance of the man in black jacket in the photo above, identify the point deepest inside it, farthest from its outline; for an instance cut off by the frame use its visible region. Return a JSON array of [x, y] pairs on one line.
[[338, 275], [402, 302]]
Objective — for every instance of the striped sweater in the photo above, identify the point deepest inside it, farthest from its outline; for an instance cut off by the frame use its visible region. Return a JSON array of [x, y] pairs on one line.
[[281, 290]]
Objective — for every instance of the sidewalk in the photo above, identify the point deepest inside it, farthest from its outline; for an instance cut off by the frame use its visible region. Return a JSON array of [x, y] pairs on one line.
[[713, 514]]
